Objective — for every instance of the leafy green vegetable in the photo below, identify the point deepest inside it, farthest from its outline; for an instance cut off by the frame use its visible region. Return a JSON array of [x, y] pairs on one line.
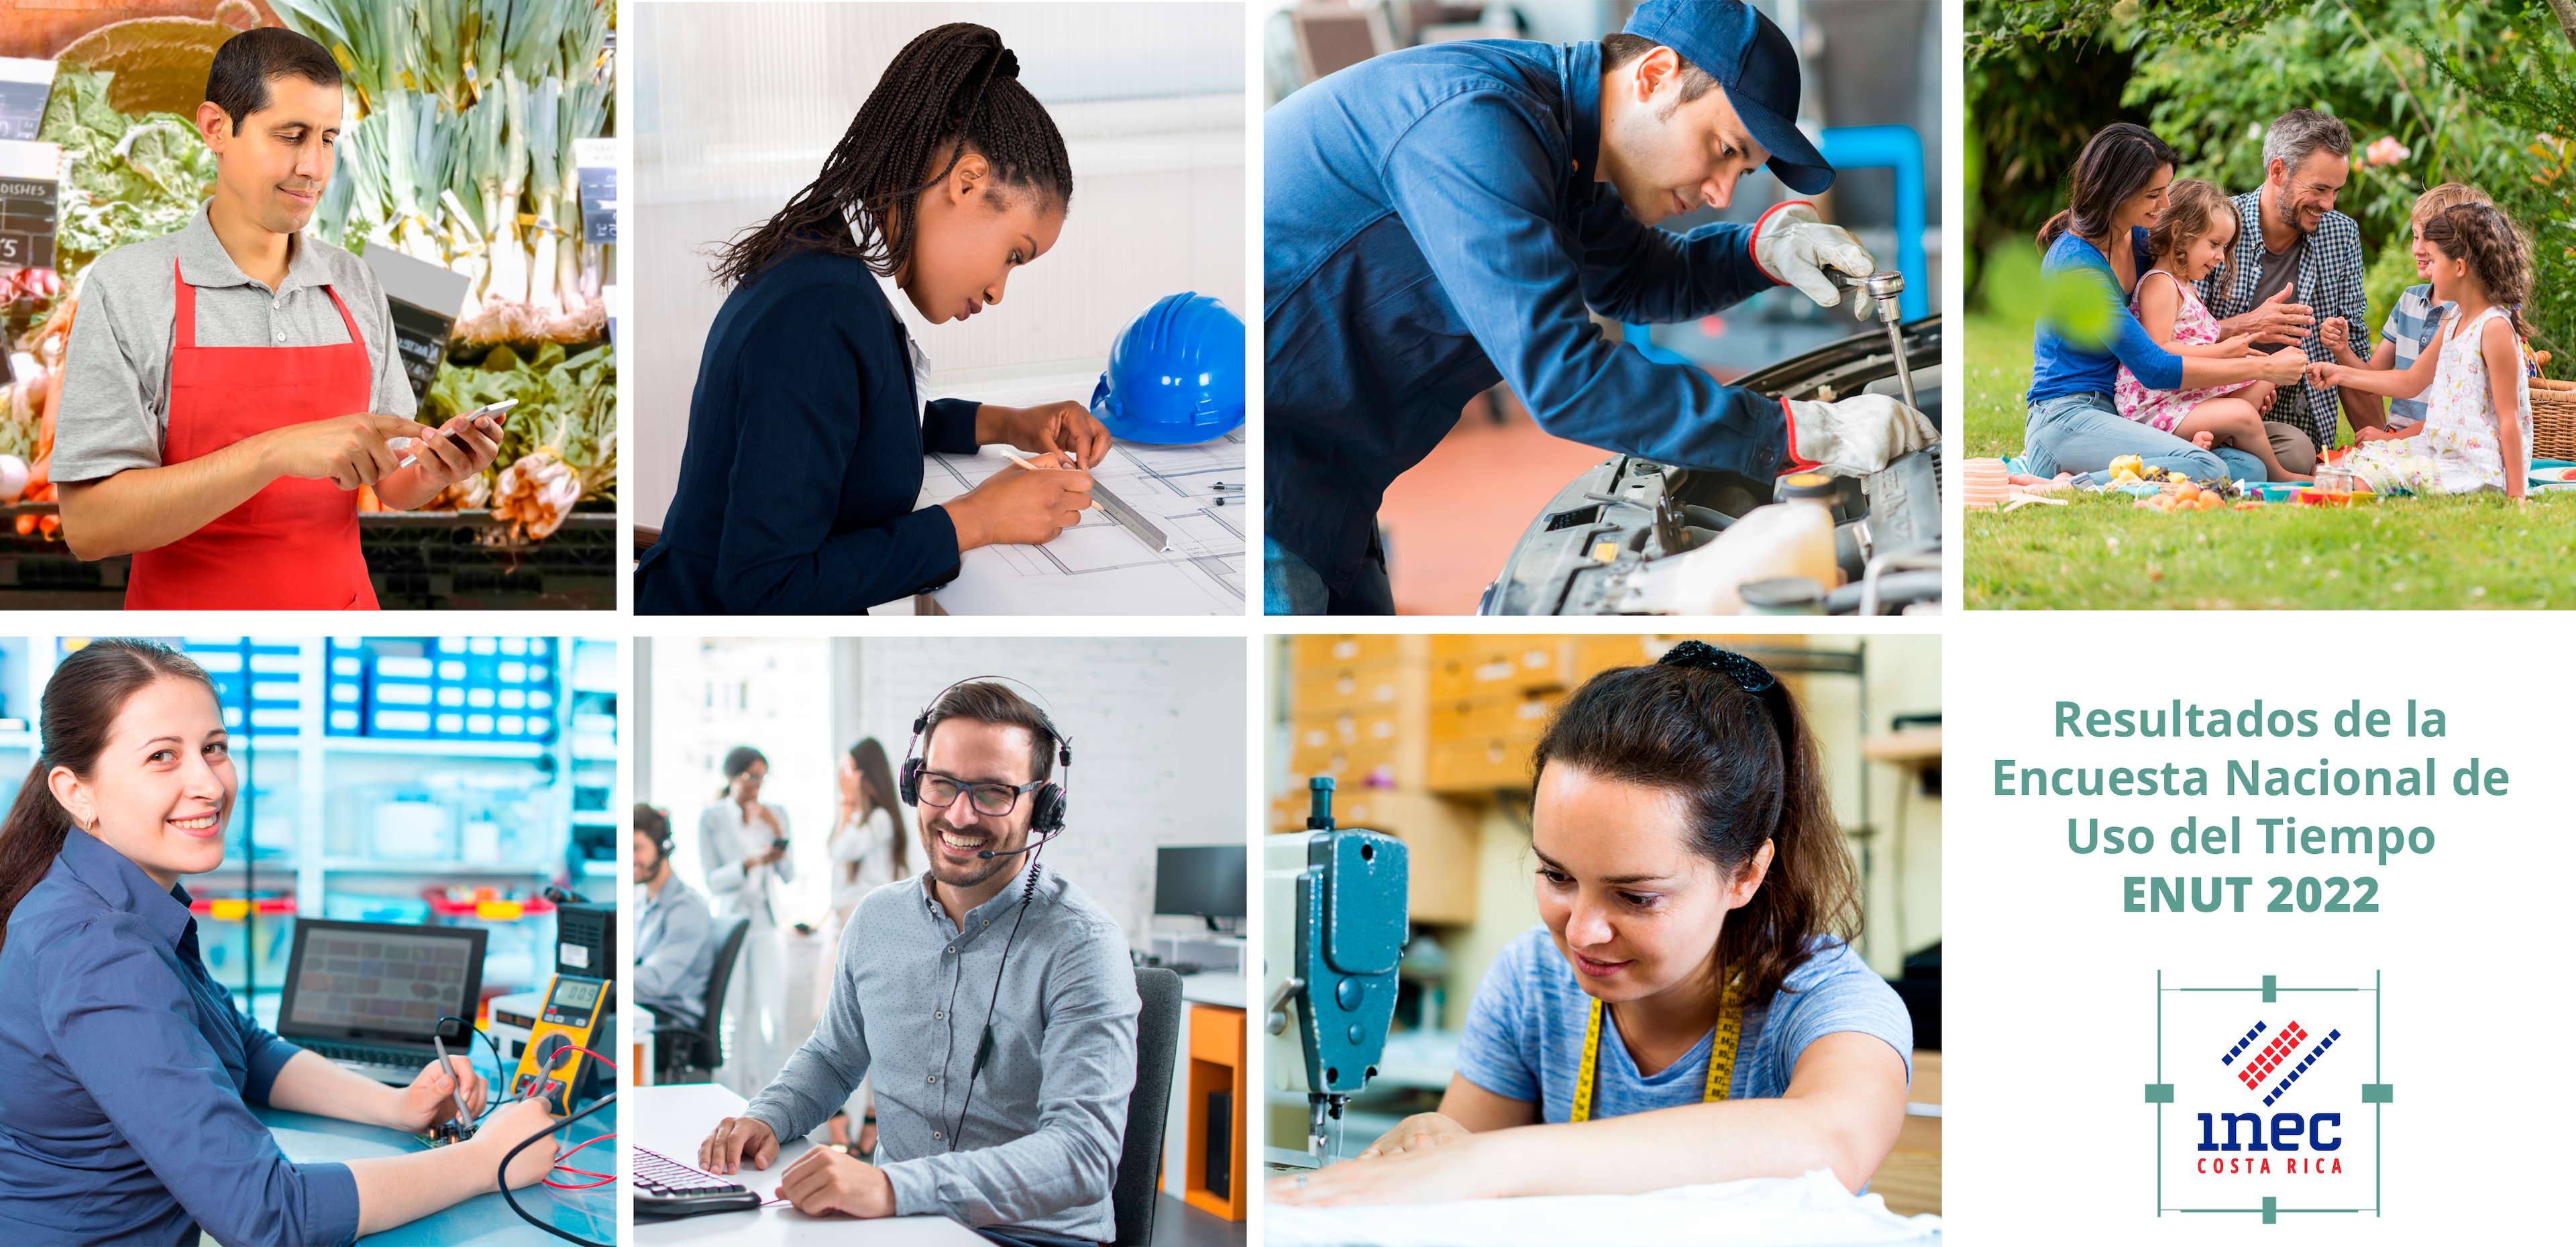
[[567, 401], [129, 178]]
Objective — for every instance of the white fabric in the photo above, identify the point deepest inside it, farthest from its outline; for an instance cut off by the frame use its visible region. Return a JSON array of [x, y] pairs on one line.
[[1794, 244], [756, 1001], [756, 1014], [867, 843], [1771, 1212], [1858, 435]]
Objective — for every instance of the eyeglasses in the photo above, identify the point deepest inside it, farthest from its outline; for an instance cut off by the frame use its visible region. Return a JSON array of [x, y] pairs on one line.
[[993, 800]]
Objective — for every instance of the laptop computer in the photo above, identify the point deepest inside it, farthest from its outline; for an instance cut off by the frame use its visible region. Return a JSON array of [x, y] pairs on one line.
[[368, 995]]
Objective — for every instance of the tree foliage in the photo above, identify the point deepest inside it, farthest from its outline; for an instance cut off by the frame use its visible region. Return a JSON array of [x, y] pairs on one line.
[[2476, 91]]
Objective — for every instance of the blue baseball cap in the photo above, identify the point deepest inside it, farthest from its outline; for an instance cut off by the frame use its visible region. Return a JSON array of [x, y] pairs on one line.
[[1732, 42]]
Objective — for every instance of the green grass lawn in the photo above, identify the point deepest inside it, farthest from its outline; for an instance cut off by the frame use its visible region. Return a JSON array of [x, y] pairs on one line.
[[1998, 372], [2101, 553]]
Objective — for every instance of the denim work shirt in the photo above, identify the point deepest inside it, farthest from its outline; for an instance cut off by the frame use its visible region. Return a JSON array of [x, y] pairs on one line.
[[127, 1076], [1430, 225], [911, 996]]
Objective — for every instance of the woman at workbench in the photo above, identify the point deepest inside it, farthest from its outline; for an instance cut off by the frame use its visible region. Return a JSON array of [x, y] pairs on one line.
[[1691, 1010], [797, 488], [130, 1073]]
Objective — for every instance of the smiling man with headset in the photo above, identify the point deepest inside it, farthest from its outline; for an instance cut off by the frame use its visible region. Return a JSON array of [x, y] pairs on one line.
[[992, 1000]]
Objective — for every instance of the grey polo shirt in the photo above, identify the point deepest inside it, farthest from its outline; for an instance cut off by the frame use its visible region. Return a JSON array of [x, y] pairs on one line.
[[116, 375], [1040, 1144]]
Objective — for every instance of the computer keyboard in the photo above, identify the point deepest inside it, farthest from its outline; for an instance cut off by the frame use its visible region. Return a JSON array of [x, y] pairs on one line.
[[401, 1060], [665, 1189]]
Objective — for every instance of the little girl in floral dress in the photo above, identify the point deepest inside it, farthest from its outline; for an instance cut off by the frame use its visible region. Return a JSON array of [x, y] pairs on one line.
[[2195, 235], [2475, 434]]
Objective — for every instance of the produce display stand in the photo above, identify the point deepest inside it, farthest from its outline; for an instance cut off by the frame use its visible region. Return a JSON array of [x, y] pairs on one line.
[[419, 560], [476, 165]]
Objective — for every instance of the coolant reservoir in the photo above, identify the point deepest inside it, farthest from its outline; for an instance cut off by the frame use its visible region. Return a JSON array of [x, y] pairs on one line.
[[1791, 537]]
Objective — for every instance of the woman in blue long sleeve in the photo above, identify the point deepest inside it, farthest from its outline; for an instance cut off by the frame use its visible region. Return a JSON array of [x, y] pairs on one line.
[[2073, 425], [128, 1073], [807, 428]]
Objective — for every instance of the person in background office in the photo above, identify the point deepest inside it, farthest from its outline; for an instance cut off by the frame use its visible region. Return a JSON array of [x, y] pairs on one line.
[[1025, 1148], [675, 945], [867, 853], [1694, 888], [743, 845], [130, 1073]]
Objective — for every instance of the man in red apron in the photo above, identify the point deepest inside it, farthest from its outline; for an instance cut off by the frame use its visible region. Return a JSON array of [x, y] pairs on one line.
[[230, 386]]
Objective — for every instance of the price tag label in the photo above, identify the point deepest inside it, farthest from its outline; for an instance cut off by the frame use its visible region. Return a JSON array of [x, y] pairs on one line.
[[597, 160], [24, 84]]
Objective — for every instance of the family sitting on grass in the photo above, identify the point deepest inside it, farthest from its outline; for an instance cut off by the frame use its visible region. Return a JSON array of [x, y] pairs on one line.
[[2183, 378]]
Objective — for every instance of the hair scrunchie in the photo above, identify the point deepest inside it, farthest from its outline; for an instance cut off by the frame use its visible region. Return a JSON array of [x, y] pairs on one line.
[[1748, 675], [1008, 66]]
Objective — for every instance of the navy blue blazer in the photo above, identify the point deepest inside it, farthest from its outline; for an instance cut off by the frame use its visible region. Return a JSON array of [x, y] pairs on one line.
[[804, 458]]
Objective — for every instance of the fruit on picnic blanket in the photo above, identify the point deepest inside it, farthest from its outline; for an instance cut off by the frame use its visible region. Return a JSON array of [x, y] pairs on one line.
[[2134, 465]]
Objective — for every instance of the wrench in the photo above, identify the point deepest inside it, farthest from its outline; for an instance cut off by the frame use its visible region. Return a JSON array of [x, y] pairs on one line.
[[1883, 287]]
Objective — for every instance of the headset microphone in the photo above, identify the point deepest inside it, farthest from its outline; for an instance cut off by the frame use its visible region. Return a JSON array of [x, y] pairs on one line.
[[1039, 842]]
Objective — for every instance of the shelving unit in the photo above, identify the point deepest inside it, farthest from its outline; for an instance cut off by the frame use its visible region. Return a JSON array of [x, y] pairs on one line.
[[325, 788]]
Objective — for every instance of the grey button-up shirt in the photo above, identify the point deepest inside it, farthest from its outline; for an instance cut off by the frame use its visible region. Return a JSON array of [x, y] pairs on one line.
[[1040, 1142], [116, 373], [675, 950]]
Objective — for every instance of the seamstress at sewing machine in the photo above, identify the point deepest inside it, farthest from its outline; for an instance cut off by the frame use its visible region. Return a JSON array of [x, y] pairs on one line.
[[130, 1074], [1697, 900], [995, 1018]]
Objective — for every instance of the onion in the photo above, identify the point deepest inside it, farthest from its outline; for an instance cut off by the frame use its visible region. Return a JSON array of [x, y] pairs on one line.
[[13, 478]]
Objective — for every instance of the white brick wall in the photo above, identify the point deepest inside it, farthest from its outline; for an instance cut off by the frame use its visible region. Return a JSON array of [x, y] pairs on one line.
[[1157, 725]]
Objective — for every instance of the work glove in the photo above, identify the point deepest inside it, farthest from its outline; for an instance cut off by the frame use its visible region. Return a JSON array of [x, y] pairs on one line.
[[1854, 436], [1791, 244]]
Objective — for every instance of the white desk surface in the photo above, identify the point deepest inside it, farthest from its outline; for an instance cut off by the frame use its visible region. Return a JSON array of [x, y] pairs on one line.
[[673, 1120], [1211, 987]]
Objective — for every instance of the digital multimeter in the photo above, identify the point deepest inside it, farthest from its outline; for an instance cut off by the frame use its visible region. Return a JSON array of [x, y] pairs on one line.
[[574, 1007]]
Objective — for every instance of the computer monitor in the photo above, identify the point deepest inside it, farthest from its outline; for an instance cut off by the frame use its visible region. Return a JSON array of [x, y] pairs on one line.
[[1202, 881], [379, 980]]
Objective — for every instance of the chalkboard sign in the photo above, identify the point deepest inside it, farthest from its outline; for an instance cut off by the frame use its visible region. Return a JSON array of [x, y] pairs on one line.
[[597, 159], [27, 214], [424, 300]]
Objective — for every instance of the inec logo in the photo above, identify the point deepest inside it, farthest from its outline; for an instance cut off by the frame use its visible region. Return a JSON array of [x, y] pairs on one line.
[[2279, 1110]]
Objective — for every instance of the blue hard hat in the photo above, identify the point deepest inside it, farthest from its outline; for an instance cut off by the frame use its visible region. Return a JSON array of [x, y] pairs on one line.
[[1176, 374], [1748, 56]]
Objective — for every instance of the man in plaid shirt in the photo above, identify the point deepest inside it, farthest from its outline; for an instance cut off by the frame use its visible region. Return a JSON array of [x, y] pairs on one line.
[[2297, 261]]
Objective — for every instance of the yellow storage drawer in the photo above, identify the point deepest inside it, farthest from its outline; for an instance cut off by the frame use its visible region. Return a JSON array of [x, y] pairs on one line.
[[1314, 650], [1326, 691], [1480, 666]]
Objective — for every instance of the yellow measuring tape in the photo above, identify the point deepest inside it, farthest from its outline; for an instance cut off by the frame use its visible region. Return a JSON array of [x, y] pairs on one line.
[[1721, 1052]]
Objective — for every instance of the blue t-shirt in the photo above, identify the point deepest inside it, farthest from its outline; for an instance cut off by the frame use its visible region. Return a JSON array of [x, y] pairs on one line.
[[1524, 1037], [2062, 367]]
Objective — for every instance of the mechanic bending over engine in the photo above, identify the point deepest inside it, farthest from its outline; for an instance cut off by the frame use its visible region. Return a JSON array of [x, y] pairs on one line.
[[1443, 217]]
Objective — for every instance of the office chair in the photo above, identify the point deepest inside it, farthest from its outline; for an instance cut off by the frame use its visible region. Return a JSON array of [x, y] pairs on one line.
[[1140, 1158], [694, 1052]]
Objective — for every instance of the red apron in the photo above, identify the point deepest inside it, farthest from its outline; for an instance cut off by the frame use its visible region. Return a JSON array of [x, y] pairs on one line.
[[294, 544]]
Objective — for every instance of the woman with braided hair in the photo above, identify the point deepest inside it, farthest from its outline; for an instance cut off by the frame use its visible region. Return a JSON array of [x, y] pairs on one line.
[[1690, 1009], [807, 427]]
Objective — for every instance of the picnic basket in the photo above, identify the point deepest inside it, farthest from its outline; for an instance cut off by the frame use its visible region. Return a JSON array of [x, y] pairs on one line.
[[2553, 421]]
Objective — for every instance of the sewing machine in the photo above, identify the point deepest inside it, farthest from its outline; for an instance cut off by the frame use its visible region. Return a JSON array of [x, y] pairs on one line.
[[1334, 904]]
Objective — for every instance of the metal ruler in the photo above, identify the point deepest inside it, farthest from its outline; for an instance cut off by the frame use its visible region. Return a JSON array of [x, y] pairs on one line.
[[1129, 517]]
